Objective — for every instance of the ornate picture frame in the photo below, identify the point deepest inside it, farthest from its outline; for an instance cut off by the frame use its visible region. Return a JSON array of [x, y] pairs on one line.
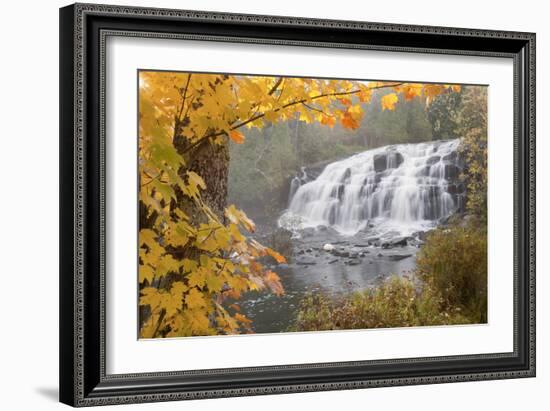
[[84, 30]]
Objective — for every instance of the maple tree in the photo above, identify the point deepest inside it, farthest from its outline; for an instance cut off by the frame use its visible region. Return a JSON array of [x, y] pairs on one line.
[[194, 253]]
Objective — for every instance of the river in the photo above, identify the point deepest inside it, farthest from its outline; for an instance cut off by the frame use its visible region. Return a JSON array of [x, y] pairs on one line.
[[356, 222]]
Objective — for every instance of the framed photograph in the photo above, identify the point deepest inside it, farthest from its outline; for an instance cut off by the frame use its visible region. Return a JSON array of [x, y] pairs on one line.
[[259, 205]]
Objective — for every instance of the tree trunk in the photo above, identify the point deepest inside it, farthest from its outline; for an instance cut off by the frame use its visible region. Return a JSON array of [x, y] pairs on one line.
[[211, 162]]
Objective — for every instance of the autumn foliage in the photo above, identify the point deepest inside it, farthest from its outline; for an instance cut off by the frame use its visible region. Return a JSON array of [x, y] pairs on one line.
[[193, 260]]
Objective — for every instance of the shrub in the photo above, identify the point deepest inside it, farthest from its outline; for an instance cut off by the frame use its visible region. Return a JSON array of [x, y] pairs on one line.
[[454, 263], [398, 302]]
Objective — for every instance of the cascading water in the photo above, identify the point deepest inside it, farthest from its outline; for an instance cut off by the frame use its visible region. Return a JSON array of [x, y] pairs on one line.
[[296, 183], [398, 189]]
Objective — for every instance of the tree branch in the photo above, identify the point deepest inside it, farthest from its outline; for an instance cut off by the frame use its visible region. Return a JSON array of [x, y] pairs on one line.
[[184, 97], [290, 104], [317, 109], [275, 86]]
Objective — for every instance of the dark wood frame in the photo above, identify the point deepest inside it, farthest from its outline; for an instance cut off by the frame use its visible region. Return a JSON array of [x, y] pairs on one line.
[[83, 30]]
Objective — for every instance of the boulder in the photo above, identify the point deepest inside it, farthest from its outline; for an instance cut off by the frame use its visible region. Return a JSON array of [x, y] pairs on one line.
[[383, 161], [328, 247], [450, 157], [420, 235], [308, 232], [424, 171], [346, 176], [380, 162], [451, 171], [340, 191], [432, 160], [339, 253], [398, 257], [395, 159], [396, 242]]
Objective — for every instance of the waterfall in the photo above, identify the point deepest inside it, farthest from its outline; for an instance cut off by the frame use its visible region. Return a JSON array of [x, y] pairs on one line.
[[399, 189], [296, 182]]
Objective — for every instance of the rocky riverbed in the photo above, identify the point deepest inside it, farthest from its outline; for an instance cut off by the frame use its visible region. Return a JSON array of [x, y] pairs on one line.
[[322, 260]]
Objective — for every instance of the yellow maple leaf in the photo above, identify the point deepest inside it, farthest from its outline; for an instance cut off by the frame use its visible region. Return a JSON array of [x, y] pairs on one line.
[[146, 272], [237, 216], [194, 299], [388, 101]]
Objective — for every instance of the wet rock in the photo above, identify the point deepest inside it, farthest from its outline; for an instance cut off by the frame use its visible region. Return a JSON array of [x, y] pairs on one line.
[[415, 242], [398, 257], [353, 262], [340, 191], [308, 232], [432, 160], [451, 172], [424, 171], [458, 188], [396, 242], [333, 261], [306, 261], [400, 241], [380, 162], [395, 159], [346, 176], [340, 253], [420, 235], [450, 157], [328, 247]]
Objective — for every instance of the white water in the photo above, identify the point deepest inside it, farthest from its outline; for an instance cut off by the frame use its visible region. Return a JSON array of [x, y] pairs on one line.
[[408, 193]]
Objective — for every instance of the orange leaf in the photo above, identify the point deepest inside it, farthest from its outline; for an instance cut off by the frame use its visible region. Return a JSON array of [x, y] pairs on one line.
[[327, 121], [345, 101], [349, 122], [411, 91], [278, 257], [236, 136], [241, 318], [274, 283]]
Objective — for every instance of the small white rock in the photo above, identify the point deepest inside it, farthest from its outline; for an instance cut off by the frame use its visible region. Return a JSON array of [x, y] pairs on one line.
[[328, 247]]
